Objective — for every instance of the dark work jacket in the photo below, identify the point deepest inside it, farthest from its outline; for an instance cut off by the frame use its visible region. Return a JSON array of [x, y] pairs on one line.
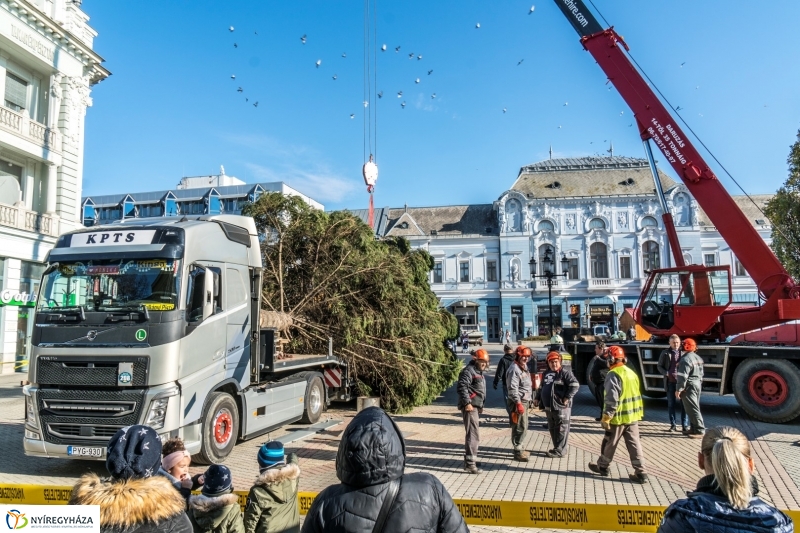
[[371, 454], [599, 369], [708, 509], [557, 390], [471, 387], [500, 371]]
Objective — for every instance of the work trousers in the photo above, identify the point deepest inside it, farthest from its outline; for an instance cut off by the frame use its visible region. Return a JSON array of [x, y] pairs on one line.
[[672, 403], [558, 424], [473, 437], [629, 432], [599, 390], [691, 403], [520, 429]]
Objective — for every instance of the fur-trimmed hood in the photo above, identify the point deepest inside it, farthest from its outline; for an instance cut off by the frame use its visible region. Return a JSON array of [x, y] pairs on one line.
[[207, 504], [276, 475], [215, 513], [126, 504]]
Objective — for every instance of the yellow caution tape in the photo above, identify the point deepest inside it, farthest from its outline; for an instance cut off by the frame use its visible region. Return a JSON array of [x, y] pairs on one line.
[[475, 512]]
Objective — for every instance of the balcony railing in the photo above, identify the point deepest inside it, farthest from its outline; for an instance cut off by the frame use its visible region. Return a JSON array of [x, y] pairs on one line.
[[28, 129], [20, 218]]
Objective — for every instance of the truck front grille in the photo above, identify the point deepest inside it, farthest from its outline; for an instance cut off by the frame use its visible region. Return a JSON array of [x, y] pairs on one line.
[[72, 371], [70, 416]]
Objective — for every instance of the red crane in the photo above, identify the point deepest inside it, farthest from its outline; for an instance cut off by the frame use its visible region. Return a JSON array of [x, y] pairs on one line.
[[701, 295]]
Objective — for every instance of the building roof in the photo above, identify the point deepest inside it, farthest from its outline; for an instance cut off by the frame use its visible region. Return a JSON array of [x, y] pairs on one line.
[[380, 217], [588, 176], [479, 219], [753, 214]]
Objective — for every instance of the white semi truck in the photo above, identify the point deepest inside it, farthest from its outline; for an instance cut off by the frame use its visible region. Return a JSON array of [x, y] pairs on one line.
[[157, 322]]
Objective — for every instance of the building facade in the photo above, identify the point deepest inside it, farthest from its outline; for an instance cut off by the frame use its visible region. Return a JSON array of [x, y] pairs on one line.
[[196, 195], [47, 70], [601, 215]]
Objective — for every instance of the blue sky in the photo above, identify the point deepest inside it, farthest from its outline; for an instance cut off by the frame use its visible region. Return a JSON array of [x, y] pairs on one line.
[[170, 108]]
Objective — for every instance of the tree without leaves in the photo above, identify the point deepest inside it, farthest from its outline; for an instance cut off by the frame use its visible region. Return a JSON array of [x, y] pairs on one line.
[[327, 271], [783, 210]]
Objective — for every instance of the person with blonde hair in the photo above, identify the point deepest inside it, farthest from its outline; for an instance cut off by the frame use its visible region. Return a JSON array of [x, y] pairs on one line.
[[725, 500]]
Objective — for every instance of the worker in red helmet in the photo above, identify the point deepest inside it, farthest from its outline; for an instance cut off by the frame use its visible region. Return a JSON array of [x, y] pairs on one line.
[[559, 387], [520, 396], [622, 410], [690, 381], [471, 390]]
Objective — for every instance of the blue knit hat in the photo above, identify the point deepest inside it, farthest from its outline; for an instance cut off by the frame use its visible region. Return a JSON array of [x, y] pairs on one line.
[[271, 454], [134, 452], [217, 481]]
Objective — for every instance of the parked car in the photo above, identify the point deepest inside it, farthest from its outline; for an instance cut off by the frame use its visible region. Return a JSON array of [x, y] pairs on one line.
[[601, 331]]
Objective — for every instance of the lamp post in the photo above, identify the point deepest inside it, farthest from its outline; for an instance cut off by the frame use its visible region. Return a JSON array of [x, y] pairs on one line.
[[548, 274]]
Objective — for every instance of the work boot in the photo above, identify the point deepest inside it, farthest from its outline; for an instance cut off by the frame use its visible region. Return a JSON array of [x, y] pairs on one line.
[[554, 454], [695, 434], [521, 456], [597, 470], [672, 428], [639, 478], [472, 469]]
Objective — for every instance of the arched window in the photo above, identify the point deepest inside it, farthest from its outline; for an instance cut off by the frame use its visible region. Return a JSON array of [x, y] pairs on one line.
[[650, 256], [546, 225], [597, 223], [687, 259], [599, 260], [649, 222]]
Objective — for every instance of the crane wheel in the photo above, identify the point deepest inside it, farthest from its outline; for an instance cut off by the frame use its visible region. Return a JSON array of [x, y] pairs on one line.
[[767, 389]]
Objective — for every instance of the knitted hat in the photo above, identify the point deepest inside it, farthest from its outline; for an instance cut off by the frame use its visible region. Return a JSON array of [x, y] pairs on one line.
[[217, 481], [134, 452], [271, 454]]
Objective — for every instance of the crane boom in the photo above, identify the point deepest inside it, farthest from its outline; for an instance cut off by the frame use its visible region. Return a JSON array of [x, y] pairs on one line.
[[657, 124]]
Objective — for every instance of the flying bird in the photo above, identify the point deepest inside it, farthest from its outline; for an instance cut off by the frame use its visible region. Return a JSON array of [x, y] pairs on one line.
[[630, 125], [352, 115], [255, 105], [399, 94], [419, 57], [233, 76], [532, 10], [319, 62], [344, 54], [365, 103], [678, 108], [334, 77], [403, 105], [416, 81], [255, 32], [559, 127], [411, 55], [566, 103], [697, 87], [504, 110], [380, 94], [682, 64], [246, 99], [396, 49], [433, 96], [230, 29], [239, 90], [383, 48], [430, 72], [235, 45], [303, 39], [520, 62], [478, 25], [621, 113]]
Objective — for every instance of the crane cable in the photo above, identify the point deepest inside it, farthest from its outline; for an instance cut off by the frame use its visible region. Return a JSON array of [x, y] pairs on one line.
[[707, 149], [370, 100]]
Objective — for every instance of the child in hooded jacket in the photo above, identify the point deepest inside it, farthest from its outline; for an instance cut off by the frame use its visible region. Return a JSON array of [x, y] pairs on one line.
[[216, 508], [272, 502], [175, 467]]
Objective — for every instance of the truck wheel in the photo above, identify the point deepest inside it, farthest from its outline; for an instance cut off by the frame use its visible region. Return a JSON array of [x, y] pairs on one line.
[[589, 369], [315, 401], [767, 389], [220, 429]]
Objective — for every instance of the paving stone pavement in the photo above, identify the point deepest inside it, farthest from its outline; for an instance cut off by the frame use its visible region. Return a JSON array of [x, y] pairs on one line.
[[434, 440]]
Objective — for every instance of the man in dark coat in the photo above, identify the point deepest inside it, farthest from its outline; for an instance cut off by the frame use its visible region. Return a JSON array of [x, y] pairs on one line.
[[471, 398], [370, 461], [559, 387], [668, 367], [599, 367], [500, 372], [136, 499]]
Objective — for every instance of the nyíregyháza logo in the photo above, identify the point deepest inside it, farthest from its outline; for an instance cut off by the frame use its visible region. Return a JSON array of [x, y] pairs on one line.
[[16, 519]]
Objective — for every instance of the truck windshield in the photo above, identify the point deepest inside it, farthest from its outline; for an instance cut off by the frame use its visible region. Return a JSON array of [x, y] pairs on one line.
[[112, 284]]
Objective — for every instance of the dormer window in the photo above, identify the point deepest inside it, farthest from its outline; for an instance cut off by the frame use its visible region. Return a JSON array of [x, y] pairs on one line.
[[403, 225], [128, 208], [597, 223], [649, 222], [546, 225]]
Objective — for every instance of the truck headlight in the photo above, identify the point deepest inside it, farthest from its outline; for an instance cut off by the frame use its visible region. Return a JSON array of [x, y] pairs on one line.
[[30, 412], [157, 413]]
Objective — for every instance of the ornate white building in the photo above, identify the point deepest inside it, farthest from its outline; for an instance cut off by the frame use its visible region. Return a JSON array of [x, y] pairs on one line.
[[601, 214], [47, 68]]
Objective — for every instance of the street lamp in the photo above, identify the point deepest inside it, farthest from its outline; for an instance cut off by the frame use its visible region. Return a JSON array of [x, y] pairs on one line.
[[548, 274]]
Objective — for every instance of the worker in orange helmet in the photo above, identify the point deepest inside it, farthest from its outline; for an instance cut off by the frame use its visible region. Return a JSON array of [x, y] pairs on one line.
[[520, 396], [559, 387], [471, 390], [622, 410], [690, 381]]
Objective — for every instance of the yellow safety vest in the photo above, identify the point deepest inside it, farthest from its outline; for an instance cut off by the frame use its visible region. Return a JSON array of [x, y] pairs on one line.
[[630, 408]]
